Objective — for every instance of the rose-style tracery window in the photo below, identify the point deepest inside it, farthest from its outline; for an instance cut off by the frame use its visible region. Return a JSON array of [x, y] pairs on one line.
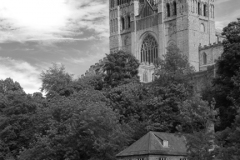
[[149, 50]]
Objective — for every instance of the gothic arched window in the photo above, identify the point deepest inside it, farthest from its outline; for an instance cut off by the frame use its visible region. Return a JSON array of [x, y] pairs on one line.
[[123, 23], [168, 10], [204, 58], [202, 28], [149, 50], [174, 8], [205, 10], [199, 9], [129, 21]]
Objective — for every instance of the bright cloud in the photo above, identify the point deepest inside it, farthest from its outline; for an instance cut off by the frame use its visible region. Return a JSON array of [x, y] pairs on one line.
[[24, 20], [90, 14], [22, 72], [36, 14]]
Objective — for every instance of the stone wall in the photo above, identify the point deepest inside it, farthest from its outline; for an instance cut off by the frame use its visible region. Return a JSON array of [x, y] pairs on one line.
[[202, 78], [209, 54], [152, 157], [144, 157], [157, 157]]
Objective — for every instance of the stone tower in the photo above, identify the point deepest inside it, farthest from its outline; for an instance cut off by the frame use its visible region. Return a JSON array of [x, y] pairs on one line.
[[146, 27]]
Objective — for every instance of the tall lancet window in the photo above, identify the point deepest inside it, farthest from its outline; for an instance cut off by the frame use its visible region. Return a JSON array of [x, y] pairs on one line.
[[204, 58], [168, 10], [149, 50], [205, 10], [174, 8], [123, 23]]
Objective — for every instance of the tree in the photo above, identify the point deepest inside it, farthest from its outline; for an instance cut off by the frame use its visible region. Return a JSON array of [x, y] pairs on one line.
[[174, 67], [56, 80], [229, 141], [80, 126], [226, 92], [91, 81], [197, 119], [127, 100], [225, 89], [17, 118], [171, 86], [120, 68]]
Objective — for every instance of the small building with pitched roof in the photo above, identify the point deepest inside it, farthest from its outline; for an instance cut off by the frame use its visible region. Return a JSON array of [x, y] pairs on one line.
[[156, 146]]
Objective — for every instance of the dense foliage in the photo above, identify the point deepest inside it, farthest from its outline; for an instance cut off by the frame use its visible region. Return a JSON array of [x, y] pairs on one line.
[[120, 68], [226, 91]]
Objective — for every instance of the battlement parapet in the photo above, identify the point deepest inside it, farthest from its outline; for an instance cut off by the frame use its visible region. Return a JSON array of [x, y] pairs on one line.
[[213, 45]]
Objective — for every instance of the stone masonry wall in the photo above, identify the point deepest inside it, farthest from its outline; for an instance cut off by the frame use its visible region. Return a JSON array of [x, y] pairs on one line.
[[212, 52]]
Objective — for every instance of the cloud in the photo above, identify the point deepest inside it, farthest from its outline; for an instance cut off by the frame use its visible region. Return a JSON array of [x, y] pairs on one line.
[[56, 20], [226, 19], [90, 14], [221, 1], [24, 73]]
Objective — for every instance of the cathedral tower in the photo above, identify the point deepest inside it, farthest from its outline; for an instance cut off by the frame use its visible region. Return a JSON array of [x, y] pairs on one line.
[[146, 27]]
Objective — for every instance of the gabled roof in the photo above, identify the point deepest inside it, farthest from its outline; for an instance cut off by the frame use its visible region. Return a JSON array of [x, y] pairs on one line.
[[152, 144]]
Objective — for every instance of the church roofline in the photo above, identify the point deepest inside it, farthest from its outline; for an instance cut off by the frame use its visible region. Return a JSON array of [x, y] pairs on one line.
[[210, 46]]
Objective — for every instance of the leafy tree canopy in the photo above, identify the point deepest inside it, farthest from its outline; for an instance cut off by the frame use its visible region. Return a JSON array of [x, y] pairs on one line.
[[226, 88], [171, 86], [80, 126], [56, 80], [173, 67], [17, 118], [120, 68]]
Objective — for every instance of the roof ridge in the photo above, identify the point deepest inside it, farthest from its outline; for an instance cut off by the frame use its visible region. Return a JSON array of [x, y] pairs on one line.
[[149, 141], [152, 143]]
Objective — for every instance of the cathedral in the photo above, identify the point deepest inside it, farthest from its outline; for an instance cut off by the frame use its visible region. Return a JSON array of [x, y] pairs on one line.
[[146, 28]]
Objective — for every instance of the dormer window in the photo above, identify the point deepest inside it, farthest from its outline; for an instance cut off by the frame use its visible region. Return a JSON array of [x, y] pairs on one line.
[[165, 143]]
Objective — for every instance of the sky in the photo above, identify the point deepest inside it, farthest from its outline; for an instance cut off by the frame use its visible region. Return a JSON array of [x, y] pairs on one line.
[[34, 34]]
